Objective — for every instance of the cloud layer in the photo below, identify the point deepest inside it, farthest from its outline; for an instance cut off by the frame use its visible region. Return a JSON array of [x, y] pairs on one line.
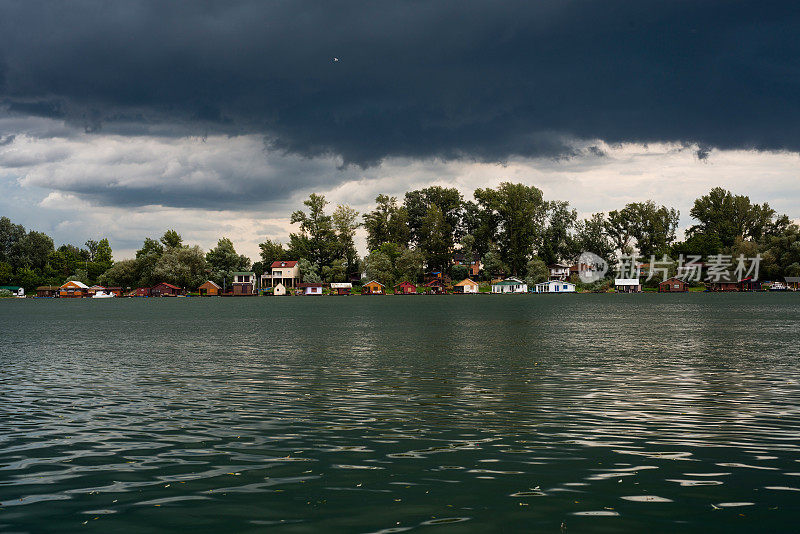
[[453, 79]]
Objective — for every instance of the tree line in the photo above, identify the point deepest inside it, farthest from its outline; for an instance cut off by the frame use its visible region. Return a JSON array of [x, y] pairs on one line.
[[512, 229]]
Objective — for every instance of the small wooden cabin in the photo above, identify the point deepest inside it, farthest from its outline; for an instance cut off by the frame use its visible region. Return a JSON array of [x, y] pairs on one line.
[[164, 289], [467, 285], [628, 285], [373, 288], [748, 284], [311, 288], [792, 282], [341, 288], [209, 289], [673, 285], [47, 292], [405, 288], [73, 289], [725, 283], [435, 287], [279, 290], [140, 292]]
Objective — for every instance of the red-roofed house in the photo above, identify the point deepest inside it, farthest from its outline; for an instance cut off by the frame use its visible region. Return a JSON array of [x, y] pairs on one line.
[[164, 289], [405, 288], [281, 272]]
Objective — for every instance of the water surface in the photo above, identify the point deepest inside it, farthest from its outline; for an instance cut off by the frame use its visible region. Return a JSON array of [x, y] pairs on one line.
[[549, 413]]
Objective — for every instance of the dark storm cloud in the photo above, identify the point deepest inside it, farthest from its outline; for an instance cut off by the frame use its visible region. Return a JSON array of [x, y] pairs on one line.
[[445, 79]]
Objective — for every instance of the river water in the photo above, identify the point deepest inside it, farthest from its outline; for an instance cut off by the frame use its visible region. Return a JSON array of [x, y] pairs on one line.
[[463, 413]]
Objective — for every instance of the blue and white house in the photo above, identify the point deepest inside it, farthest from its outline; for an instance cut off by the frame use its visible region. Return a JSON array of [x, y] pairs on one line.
[[554, 286]]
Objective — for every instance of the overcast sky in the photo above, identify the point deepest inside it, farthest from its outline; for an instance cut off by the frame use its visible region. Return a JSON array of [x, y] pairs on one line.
[[124, 119]]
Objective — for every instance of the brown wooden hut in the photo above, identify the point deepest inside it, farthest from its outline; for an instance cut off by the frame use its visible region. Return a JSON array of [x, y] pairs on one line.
[[209, 289], [373, 288], [673, 285], [405, 288]]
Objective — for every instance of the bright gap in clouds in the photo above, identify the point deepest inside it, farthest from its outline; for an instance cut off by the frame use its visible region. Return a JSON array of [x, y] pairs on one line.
[[85, 186]]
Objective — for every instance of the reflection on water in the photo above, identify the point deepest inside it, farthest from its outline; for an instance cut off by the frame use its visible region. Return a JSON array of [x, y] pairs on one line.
[[390, 414]]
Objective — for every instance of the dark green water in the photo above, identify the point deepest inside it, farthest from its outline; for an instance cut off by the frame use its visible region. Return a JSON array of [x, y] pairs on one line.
[[584, 413]]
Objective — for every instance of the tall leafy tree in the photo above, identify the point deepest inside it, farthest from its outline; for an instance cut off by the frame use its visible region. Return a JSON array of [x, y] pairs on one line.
[[728, 216], [619, 227], [317, 239], [590, 236], [345, 224], [171, 239], [447, 199], [387, 223], [557, 242], [520, 211], [223, 261], [271, 251], [435, 239], [653, 227], [182, 266]]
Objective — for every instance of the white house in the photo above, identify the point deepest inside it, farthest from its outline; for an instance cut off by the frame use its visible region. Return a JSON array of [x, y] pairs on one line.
[[555, 286], [627, 285], [311, 288], [510, 285], [281, 272], [559, 271]]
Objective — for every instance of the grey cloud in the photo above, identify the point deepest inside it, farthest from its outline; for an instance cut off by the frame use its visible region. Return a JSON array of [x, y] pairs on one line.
[[451, 79]]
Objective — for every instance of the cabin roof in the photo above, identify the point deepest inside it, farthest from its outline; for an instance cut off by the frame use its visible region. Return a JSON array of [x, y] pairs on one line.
[[210, 283], [310, 284], [792, 279], [166, 284], [283, 263], [243, 273], [76, 283], [467, 282], [627, 282], [341, 285]]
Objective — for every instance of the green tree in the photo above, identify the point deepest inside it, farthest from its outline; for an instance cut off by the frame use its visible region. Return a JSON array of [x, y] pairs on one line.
[[781, 255], [537, 272], [345, 224], [317, 239], [387, 223], [618, 227], [435, 239], [34, 249], [171, 239], [309, 271], [103, 254], [335, 272], [520, 211], [223, 261], [557, 242], [493, 264], [185, 267], [653, 227], [590, 236], [378, 266], [123, 273], [271, 251], [725, 215], [410, 265], [449, 202]]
